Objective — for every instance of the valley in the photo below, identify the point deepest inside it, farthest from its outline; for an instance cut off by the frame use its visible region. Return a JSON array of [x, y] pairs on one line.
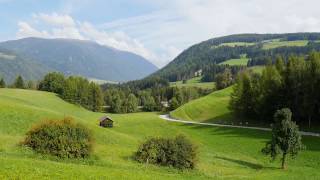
[[223, 152]]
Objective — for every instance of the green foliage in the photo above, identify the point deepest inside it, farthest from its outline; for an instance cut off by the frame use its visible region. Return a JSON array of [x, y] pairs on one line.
[[286, 138], [76, 90], [148, 103], [174, 104], [131, 104], [95, 97], [178, 152], [19, 83], [53, 82], [116, 104], [2, 83], [224, 79], [62, 138], [281, 85]]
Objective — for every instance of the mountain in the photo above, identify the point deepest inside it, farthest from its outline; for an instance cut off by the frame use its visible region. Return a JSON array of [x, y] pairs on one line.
[[257, 48], [78, 57], [13, 64]]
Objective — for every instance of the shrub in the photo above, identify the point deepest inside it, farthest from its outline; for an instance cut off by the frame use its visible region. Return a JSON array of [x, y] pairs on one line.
[[178, 152], [62, 138]]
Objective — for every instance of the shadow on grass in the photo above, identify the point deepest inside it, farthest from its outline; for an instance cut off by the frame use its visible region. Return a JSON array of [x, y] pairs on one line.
[[231, 132], [242, 163]]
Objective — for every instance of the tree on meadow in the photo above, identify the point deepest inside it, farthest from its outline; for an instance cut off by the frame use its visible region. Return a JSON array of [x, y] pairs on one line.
[[286, 138]]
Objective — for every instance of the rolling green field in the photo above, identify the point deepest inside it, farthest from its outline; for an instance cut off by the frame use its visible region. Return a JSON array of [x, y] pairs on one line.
[[242, 61], [210, 108], [194, 82], [276, 44], [224, 153]]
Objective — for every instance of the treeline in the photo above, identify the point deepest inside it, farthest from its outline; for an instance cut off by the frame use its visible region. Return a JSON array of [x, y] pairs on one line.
[[259, 57], [292, 83], [76, 90], [158, 97], [211, 72], [19, 83], [196, 58], [209, 52]]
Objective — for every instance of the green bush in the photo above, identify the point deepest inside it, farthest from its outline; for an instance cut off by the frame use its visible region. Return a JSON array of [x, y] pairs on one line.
[[178, 152], [62, 138]]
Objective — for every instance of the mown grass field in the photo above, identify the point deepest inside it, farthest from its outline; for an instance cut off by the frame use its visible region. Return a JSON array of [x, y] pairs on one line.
[[243, 61], [210, 108], [234, 44], [224, 153], [277, 43], [194, 82]]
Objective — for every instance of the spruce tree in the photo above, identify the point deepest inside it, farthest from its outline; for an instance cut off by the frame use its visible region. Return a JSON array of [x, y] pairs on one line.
[[2, 83], [19, 83]]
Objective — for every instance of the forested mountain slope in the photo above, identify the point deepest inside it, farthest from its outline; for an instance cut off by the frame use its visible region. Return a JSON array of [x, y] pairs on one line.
[[259, 48]]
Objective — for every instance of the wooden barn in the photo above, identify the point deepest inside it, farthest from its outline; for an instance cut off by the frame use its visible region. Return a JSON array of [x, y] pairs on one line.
[[106, 121]]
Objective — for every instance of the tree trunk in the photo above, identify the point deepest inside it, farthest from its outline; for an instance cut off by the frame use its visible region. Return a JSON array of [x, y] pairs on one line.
[[283, 166], [309, 121]]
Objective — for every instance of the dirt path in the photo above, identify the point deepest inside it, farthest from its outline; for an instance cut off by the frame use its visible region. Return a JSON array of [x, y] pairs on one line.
[[168, 118]]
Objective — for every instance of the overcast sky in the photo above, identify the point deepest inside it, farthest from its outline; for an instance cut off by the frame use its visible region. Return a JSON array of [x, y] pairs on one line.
[[155, 29]]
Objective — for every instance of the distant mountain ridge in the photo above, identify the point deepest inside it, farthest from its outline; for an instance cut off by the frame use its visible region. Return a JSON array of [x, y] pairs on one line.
[[75, 57]]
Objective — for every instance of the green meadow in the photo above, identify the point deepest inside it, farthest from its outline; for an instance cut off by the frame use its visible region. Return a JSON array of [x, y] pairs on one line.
[[224, 153], [194, 82], [277, 43]]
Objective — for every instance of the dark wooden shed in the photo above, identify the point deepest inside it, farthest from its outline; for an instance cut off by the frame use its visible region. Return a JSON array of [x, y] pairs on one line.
[[106, 121]]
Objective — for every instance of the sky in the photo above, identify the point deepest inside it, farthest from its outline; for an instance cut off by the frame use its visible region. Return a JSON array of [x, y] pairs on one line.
[[156, 29]]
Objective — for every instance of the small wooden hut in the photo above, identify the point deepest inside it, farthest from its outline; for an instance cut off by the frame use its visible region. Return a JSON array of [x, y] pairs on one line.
[[106, 121]]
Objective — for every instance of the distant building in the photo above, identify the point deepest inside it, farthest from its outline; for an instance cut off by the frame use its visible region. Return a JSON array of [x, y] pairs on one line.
[[106, 121], [165, 104], [198, 73]]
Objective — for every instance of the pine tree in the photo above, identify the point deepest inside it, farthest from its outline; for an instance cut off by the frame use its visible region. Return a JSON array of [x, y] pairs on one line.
[[286, 138], [2, 83], [19, 83]]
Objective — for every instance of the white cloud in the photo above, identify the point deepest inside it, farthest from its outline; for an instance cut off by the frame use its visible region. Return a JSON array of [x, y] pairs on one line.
[[55, 19], [25, 30], [64, 26]]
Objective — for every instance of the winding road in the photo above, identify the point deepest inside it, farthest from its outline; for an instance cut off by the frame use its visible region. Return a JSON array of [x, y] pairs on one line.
[[168, 118]]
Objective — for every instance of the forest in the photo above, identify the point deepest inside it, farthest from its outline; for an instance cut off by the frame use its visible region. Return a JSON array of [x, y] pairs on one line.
[[292, 83]]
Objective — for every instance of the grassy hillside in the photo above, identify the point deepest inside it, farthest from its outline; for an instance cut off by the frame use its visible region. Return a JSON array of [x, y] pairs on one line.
[[234, 44], [212, 108], [242, 61], [194, 82], [277, 43], [224, 152]]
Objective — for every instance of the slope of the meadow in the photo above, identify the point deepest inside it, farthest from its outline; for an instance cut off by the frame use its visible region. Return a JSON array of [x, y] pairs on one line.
[[226, 153], [212, 108]]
